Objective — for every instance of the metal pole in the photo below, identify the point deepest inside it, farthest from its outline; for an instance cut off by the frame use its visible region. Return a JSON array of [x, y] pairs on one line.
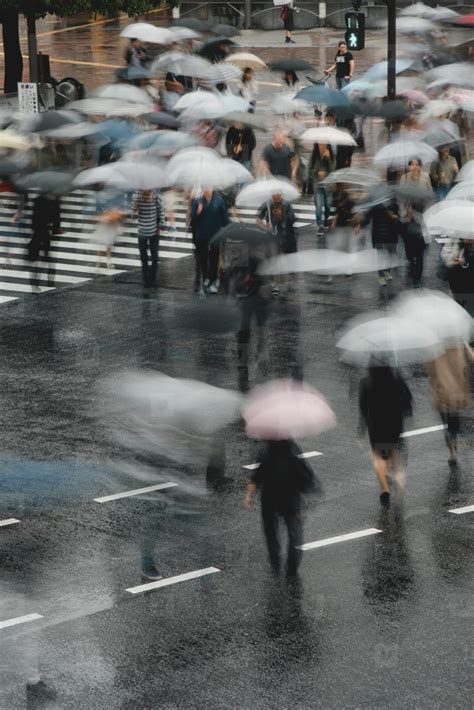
[[248, 14], [391, 50], [32, 46]]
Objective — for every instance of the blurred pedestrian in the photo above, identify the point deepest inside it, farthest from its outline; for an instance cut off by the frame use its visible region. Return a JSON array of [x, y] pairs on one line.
[[43, 216], [282, 478], [384, 402], [344, 65], [240, 143], [385, 227], [151, 217], [443, 172], [249, 88], [278, 159], [290, 81], [344, 224], [278, 217], [415, 236], [322, 163], [208, 215], [247, 286], [287, 15], [450, 384], [458, 256], [415, 178], [110, 214], [135, 54]]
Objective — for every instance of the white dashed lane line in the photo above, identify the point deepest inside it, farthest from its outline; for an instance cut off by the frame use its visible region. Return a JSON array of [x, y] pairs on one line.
[[461, 511], [172, 580], [19, 620], [135, 492], [339, 538]]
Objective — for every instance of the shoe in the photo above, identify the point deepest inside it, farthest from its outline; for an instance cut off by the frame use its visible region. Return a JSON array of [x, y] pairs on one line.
[[213, 289], [206, 283], [388, 276], [329, 280], [320, 230], [382, 281], [385, 500], [39, 693], [287, 40], [291, 41], [201, 292], [152, 574], [57, 232], [196, 287], [172, 233], [110, 265]]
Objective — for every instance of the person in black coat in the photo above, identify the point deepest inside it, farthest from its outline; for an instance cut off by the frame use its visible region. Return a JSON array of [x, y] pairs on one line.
[[385, 225], [384, 402], [43, 218], [282, 478]]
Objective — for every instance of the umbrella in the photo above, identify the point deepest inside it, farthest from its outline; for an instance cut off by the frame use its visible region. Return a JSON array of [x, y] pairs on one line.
[[107, 107], [48, 120], [352, 176], [182, 34], [357, 85], [285, 103], [439, 134], [225, 30], [231, 103], [125, 175], [459, 73], [123, 92], [462, 191], [167, 143], [180, 64], [219, 172], [239, 232], [329, 262], [117, 129], [210, 46], [161, 118], [379, 71], [148, 33], [210, 109], [435, 108], [464, 99], [16, 163], [396, 341], [286, 409], [133, 73], [191, 99], [290, 64], [191, 23], [414, 25], [466, 172], [322, 95], [246, 59], [11, 140], [452, 217], [73, 131], [221, 73], [442, 14], [328, 135], [418, 9], [251, 120], [400, 152], [465, 20], [436, 311], [261, 191], [48, 181], [414, 96]]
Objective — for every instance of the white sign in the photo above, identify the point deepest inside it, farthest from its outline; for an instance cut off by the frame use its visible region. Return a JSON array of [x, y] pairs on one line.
[[27, 98]]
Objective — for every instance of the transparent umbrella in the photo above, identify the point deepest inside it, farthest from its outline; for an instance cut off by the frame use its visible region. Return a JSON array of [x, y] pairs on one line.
[[452, 217], [146, 32], [261, 191], [179, 63], [327, 135], [400, 152], [124, 92], [329, 262]]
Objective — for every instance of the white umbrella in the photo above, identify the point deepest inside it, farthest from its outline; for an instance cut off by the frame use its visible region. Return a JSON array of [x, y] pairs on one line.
[[435, 108], [246, 59], [379, 71], [400, 152], [328, 262], [418, 9], [124, 92], [462, 191], [262, 191], [436, 311], [463, 98], [388, 339], [231, 103], [459, 73], [182, 34], [210, 109], [204, 167], [414, 25], [146, 32], [11, 140], [328, 135], [362, 177], [73, 131], [192, 99], [180, 63], [285, 103], [108, 107], [452, 217], [221, 73], [466, 172], [125, 175]]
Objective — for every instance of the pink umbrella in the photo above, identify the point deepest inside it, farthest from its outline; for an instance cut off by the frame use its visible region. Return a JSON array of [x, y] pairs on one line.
[[285, 409], [415, 96]]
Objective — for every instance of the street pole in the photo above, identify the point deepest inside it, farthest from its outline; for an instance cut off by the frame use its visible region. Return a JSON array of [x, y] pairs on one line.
[[32, 46], [391, 50], [248, 14]]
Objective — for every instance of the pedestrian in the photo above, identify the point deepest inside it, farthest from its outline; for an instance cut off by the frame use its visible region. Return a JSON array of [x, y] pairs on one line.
[[385, 227], [414, 235], [415, 178], [282, 477], [208, 215], [206, 134], [344, 225], [384, 402], [443, 172], [240, 142], [287, 15], [344, 65], [42, 219], [135, 55], [290, 82], [279, 218], [342, 153], [450, 384], [321, 164], [458, 256], [247, 286], [148, 206], [278, 159], [110, 214], [249, 88]]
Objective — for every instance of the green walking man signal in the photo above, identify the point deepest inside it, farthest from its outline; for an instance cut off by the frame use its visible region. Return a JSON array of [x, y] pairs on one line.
[[355, 32]]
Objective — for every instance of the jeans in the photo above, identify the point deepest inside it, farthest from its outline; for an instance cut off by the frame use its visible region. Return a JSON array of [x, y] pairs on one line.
[[149, 272], [322, 199], [341, 83], [294, 527], [442, 191]]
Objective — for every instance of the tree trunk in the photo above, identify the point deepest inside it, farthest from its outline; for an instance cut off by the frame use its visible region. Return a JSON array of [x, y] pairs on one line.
[[11, 44]]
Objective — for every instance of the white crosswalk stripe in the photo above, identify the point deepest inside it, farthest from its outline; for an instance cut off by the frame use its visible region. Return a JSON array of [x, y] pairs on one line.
[[73, 253]]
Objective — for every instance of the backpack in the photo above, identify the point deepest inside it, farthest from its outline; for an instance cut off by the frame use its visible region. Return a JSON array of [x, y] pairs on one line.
[[284, 12]]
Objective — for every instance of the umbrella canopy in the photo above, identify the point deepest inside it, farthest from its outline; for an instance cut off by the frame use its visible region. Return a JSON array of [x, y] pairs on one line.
[[73, 131], [181, 34], [251, 120], [146, 32], [418, 9], [285, 103], [221, 73], [360, 85], [246, 59], [197, 166], [210, 109], [191, 99], [124, 92], [362, 177], [290, 64], [286, 409], [465, 20], [379, 71], [240, 232], [208, 49], [400, 152], [328, 135], [414, 96], [159, 141], [437, 311], [125, 175], [11, 140], [466, 172], [328, 262], [48, 120], [225, 30], [161, 118], [435, 108], [452, 217], [396, 341], [107, 107], [180, 64], [132, 73], [16, 164], [459, 73], [192, 23], [322, 95], [261, 191], [414, 25], [117, 129], [462, 191], [48, 182]]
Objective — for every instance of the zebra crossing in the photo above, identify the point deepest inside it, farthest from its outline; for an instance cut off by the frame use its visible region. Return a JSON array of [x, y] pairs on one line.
[[74, 255]]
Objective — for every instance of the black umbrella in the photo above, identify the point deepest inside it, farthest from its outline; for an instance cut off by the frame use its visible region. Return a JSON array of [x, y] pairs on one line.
[[290, 64], [244, 233], [160, 118], [225, 30], [193, 23]]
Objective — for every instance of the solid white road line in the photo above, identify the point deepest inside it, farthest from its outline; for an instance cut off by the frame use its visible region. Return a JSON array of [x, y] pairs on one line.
[[5, 299], [307, 455], [426, 430], [19, 620], [8, 521], [136, 492], [339, 538], [17, 274], [172, 580], [23, 288], [460, 511]]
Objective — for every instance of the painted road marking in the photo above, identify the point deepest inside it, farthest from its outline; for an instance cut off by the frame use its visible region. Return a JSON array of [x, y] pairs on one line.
[[172, 580], [460, 511], [339, 538], [19, 620], [8, 521], [307, 455], [426, 430], [136, 492]]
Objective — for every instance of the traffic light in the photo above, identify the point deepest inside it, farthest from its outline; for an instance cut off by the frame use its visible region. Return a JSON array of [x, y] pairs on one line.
[[355, 32]]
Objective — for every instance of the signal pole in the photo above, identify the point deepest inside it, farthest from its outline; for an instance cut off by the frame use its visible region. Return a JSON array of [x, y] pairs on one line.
[[391, 50]]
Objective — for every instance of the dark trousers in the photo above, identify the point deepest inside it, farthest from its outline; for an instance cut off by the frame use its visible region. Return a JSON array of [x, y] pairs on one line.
[[453, 424], [56, 214], [415, 250], [207, 257], [145, 245], [294, 526], [38, 250]]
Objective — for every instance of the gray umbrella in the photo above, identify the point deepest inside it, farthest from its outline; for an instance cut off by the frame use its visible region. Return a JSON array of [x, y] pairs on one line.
[[48, 182]]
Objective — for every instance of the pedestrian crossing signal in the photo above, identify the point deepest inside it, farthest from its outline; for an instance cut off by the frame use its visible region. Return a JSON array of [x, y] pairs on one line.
[[355, 33]]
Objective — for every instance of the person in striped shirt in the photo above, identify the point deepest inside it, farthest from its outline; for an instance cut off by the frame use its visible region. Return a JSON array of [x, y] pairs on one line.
[[149, 209]]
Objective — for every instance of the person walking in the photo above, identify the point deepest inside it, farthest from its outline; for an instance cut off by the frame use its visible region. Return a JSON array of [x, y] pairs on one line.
[[282, 478], [240, 142], [135, 55], [42, 220], [287, 14], [443, 172], [413, 232], [249, 88], [458, 256], [385, 227], [322, 162], [208, 215], [278, 159], [279, 218], [148, 206], [344, 65], [384, 402]]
